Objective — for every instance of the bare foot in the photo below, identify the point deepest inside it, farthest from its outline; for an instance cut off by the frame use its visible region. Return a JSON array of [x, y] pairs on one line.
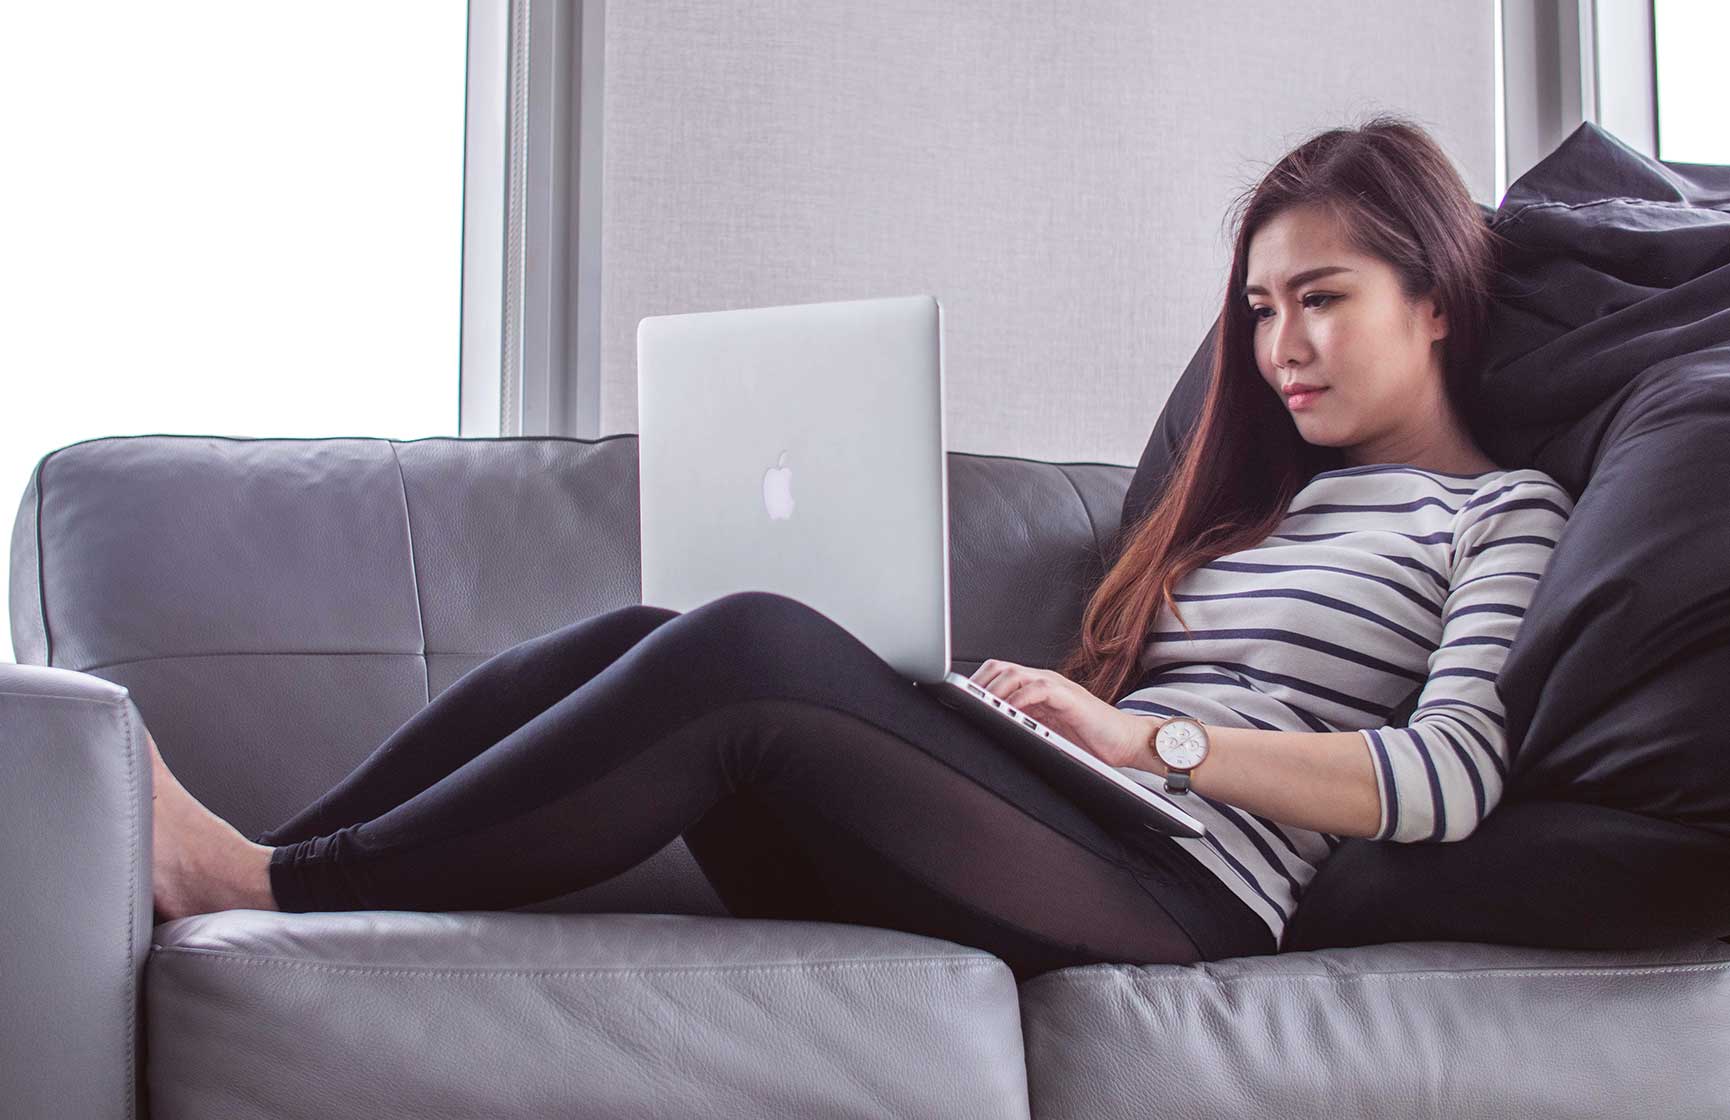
[[202, 863]]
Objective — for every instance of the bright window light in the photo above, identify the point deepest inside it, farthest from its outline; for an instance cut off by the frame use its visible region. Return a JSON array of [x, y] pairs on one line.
[[1689, 38], [228, 219]]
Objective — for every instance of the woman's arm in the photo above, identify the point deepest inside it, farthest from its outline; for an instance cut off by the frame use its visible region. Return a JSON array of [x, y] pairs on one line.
[[1323, 781], [1442, 773]]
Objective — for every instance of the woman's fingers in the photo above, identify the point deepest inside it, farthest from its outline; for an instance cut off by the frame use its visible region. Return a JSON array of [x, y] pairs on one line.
[[1014, 684], [1059, 703], [987, 672], [998, 677]]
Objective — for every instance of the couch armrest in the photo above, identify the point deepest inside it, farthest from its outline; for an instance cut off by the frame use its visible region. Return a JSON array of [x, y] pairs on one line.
[[75, 873]]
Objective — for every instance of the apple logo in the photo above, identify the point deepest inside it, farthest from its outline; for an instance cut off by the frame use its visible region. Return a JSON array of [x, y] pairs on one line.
[[778, 490]]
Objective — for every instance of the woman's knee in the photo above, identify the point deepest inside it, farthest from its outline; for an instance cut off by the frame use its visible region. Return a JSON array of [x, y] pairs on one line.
[[647, 615], [751, 617], [765, 636], [602, 636]]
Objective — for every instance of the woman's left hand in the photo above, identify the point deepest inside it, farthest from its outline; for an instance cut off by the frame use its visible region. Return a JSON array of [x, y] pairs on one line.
[[1114, 736]]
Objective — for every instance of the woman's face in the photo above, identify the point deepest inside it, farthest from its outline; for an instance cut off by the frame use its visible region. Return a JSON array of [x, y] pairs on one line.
[[1377, 358]]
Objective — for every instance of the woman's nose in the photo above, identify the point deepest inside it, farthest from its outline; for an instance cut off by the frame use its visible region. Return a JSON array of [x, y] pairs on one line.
[[1290, 346]]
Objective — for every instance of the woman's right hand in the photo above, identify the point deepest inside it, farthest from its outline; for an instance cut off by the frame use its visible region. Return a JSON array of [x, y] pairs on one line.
[[1109, 733]]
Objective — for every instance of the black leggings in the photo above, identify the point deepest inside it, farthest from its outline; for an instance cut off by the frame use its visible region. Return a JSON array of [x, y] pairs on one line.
[[809, 778]]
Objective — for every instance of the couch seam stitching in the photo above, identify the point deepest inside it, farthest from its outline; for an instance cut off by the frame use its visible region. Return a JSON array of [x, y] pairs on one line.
[[597, 971], [129, 1087], [1470, 974], [414, 574], [41, 578], [69, 696], [286, 653]]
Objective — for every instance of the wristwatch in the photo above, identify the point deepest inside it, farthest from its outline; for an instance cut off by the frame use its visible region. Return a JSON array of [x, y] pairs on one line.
[[1182, 745]]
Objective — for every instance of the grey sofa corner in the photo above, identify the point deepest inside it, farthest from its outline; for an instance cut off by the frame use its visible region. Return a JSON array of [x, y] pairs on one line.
[[273, 608]]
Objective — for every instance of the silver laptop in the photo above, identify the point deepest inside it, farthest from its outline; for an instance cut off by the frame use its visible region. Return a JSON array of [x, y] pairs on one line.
[[801, 450]]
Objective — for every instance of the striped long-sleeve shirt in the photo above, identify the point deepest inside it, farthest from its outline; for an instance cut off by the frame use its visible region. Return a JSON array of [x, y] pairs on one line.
[[1379, 580]]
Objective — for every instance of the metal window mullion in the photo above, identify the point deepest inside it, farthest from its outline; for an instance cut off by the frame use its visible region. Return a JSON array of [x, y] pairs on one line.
[[516, 168], [486, 104], [539, 355]]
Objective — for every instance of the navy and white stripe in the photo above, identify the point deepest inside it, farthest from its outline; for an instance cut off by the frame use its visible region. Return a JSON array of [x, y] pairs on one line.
[[1379, 580]]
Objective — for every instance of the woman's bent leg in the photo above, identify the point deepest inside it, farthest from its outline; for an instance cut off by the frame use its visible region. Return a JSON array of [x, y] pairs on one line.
[[753, 719], [475, 711]]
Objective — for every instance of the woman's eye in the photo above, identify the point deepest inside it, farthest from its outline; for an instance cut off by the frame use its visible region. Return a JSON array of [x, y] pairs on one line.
[[1256, 312]]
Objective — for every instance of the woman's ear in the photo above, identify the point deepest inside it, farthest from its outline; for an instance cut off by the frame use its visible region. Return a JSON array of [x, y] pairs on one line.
[[1433, 318]]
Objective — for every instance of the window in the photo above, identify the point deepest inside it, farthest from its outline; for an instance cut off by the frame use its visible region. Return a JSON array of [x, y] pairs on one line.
[[229, 219], [1688, 39]]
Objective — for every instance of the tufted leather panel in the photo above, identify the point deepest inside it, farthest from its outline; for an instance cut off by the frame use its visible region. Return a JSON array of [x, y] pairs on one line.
[[515, 537], [657, 1015]]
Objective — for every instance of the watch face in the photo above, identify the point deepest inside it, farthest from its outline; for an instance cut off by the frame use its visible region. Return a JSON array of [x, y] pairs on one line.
[[1181, 745]]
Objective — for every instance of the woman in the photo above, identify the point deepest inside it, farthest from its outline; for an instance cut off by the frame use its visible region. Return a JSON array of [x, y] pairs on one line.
[[1358, 525]]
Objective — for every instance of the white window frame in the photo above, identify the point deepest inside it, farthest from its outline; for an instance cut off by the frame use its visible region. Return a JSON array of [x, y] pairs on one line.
[[483, 219], [532, 175], [1563, 62]]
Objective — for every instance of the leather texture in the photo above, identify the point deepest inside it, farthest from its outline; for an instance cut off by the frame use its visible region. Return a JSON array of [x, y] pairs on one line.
[[615, 1016], [75, 858], [1420, 1030], [273, 608]]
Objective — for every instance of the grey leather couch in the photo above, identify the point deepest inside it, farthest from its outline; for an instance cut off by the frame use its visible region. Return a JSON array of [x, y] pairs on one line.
[[274, 608]]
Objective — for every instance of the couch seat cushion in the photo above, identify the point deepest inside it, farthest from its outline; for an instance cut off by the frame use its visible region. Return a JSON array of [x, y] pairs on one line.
[[384, 1014], [1443, 1029]]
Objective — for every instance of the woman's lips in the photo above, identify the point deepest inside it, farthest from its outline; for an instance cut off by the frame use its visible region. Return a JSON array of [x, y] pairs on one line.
[[1299, 401]]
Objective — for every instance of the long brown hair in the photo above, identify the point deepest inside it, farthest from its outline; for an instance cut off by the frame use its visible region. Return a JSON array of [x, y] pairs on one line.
[[1397, 197]]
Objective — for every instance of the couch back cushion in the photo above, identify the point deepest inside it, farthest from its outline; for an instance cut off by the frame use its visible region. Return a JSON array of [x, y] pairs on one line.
[[277, 607]]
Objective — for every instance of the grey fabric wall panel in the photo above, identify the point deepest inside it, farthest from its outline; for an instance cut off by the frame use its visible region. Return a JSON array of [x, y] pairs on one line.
[[1056, 174]]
